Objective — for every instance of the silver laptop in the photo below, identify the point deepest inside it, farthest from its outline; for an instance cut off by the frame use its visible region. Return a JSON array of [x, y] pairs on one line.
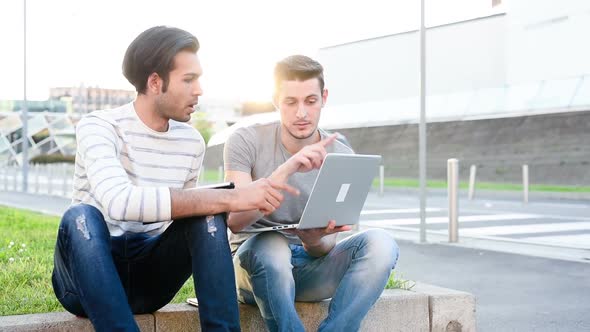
[[339, 192]]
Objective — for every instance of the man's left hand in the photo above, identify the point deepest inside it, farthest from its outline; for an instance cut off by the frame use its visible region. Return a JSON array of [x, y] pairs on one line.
[[313, 236]]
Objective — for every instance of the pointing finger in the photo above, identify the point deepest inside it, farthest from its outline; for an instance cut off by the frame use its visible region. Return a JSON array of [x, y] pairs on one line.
[[329, 140], [285, 187]]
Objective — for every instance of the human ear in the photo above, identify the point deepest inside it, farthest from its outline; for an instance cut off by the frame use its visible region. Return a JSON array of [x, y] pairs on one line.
[[154, 83]]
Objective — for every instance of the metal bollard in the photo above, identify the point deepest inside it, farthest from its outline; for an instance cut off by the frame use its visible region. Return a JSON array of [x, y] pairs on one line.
[[525, 183], [381, 179], [472, 172], [453, 191]]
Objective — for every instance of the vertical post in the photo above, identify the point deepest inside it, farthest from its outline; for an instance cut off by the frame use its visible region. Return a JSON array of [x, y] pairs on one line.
[[220, 173], [24, 113], [472, 172], [525, 183], [3, 170], [37, 171], [422, 127], [15, 178], [381, 179], [453, 190], [64, 173], [49, 176]]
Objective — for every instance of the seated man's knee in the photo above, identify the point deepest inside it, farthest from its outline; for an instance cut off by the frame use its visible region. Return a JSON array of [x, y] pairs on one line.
[[381, 247], [84, 221], [269, 251], [212, 223]]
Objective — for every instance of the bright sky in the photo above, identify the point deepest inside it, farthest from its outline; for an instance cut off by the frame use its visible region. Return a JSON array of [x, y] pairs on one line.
[[75, 41]]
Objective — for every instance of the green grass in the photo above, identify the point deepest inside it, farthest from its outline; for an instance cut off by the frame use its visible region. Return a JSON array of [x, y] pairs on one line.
[[399, 282], [27, 241], [25, 272], [437, 184], [26, 258], [210, 176]]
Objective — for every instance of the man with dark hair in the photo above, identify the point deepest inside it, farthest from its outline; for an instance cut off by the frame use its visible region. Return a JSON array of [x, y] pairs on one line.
[[138, 228], [274, 269]]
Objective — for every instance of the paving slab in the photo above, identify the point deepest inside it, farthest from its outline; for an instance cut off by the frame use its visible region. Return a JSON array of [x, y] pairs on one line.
[[450, 310], [61, 322], [396, 310]]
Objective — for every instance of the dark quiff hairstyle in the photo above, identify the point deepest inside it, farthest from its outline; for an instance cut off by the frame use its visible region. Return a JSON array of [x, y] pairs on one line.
[[153, 51], [298, 68]]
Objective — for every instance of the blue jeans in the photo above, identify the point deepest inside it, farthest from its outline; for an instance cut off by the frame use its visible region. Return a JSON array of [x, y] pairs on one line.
[[108, 279], [273, 274]]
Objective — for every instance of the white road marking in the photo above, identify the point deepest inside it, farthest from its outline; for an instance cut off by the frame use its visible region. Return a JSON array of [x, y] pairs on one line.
[[394, 211], [581, 240], [524, 229], [444, 220]]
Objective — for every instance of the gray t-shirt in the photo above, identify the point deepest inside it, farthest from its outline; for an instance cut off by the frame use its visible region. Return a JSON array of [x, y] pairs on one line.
[[258, 151]]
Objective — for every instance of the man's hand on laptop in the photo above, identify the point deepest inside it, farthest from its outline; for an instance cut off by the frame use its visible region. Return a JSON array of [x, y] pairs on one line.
[[316, 240], [262, 194], [308, 158]]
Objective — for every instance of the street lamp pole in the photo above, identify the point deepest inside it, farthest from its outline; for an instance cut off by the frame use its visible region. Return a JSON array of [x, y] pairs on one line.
[[24, 113], [422, 126]]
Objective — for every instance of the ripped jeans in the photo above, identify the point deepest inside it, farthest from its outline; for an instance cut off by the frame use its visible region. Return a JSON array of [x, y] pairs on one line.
[[108, 279], [273, 274]]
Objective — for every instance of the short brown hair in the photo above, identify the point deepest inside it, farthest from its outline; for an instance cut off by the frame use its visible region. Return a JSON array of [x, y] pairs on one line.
[[300, 68], [153, 51]]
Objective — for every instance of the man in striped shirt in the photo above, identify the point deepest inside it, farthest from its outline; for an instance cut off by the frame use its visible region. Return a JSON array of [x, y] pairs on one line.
[[138, 228]]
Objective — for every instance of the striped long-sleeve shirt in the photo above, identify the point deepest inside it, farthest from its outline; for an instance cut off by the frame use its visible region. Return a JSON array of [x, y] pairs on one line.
[[126, 170]]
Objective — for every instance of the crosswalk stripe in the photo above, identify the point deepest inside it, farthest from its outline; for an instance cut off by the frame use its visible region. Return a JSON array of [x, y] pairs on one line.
[[582, 240], [443, 220], [394, 211], [524, 229]]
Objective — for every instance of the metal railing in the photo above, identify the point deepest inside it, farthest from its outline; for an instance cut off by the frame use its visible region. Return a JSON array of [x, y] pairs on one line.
[[50, 179]]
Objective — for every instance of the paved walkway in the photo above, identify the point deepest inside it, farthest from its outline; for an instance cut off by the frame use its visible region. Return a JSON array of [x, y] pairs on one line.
[[544, 228], [53, 205]]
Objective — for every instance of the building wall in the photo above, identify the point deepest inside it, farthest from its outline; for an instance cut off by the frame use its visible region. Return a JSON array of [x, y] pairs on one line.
[[547, 39], [536, 40], [460, 56], [555, 146]]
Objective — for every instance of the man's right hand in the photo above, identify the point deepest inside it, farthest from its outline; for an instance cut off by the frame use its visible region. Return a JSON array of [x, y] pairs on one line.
[[308, 158], [263, 195]]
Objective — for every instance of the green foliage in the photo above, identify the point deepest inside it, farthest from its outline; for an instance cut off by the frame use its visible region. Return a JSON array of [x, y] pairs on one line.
[[203, 125], [52, 158], [399, 282], [38, 137]]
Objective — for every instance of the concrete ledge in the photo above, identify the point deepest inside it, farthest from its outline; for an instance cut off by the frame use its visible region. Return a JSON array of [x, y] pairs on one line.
[[425, 308], [396, 310], [450, 310], [61, 322]]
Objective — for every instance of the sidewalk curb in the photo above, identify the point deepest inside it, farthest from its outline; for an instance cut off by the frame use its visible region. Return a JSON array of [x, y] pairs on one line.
[[425, 308]]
